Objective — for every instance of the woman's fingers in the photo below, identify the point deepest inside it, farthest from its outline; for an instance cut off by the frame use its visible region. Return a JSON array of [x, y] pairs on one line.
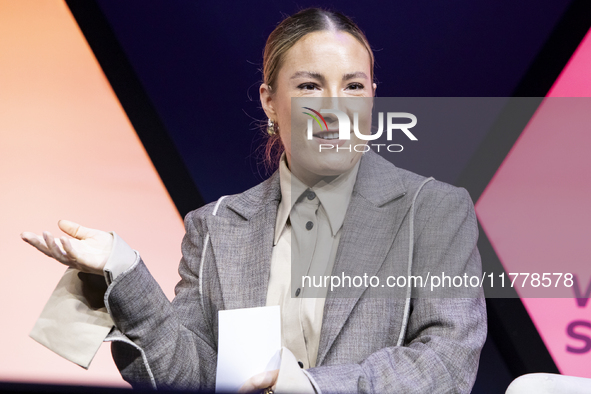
[[260, 381], [36, 241], [72, 253], [54, 248], [88, 251], [75, 230]]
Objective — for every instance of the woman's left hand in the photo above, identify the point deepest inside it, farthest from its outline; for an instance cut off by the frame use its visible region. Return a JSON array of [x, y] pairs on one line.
[[260, 381], [88, 250]]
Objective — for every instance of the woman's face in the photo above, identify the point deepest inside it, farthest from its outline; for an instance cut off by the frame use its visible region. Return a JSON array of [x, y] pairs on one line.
[[320, 66]]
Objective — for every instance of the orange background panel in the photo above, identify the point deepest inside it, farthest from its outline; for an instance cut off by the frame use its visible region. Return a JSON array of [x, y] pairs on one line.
[[67, 151]]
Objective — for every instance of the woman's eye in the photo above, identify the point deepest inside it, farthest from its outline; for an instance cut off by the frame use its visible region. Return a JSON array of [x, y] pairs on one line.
[[355, 86], [308, 86]]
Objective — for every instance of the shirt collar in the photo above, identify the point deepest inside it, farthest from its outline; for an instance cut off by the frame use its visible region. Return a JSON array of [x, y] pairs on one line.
[[334, 196]]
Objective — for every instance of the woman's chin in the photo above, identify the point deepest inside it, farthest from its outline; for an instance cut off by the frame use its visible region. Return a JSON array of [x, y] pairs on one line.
[[329, 163]]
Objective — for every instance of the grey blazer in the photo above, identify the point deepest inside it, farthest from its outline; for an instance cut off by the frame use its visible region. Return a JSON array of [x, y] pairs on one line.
[[166, 344]]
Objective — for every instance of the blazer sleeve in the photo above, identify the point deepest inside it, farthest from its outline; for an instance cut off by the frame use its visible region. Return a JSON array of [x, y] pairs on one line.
[[444, 335], [158, 343]]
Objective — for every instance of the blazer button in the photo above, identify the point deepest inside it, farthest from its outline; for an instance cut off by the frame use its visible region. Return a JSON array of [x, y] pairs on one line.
[[309, 225], [297, 293], [301, 364]]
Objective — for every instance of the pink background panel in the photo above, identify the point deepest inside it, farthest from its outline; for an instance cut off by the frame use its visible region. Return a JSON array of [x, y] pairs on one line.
[[537, 209]]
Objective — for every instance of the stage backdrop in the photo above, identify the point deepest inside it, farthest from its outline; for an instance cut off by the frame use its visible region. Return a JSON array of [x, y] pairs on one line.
[[536, 210], [67, 151]]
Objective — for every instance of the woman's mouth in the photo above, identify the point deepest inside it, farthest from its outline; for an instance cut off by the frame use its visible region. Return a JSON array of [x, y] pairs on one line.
[[328, 137]]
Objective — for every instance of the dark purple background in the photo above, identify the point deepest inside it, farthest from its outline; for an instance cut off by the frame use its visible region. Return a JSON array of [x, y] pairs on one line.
[[199, 62]]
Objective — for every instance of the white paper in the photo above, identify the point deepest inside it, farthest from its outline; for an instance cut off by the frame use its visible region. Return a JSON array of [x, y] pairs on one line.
[[249, 342]]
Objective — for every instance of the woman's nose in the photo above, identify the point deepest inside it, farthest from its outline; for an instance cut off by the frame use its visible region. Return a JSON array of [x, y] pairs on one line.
[[333, 91], [330, 102]]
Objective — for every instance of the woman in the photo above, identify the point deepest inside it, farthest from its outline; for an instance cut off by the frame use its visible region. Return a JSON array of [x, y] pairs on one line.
[[330, 212]]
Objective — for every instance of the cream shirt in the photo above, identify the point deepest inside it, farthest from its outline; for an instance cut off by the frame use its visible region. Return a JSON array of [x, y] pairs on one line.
[[307, 232]]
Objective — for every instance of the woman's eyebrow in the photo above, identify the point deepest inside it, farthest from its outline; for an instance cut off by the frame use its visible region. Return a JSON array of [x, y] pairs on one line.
[[357, 74], [308, 74]]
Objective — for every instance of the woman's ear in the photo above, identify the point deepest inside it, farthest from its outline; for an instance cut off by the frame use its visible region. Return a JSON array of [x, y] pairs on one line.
[[267, 101], [375, 86]]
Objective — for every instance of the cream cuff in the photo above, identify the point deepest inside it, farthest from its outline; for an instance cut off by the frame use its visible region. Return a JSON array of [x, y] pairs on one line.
[[122, 258], [74, 322], [291, 378]]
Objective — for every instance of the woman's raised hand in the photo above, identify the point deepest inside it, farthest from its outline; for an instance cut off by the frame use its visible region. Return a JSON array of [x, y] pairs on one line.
[[88, 250]]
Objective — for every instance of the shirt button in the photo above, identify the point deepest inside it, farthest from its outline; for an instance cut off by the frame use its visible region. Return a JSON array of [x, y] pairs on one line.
[[311, 195], [309, 225], [301, 364], [297, 293]]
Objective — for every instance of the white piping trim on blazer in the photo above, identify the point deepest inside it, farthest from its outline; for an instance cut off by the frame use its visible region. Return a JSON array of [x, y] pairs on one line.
[[128, 341], [123, 338], [215, 210], [411, 245], [410, 255]]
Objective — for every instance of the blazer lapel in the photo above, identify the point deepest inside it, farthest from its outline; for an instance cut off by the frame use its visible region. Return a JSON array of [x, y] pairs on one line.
[[367, 235], [243, 240], [242, 243]]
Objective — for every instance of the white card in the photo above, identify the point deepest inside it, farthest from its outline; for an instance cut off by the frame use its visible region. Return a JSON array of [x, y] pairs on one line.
[[249, 342]]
